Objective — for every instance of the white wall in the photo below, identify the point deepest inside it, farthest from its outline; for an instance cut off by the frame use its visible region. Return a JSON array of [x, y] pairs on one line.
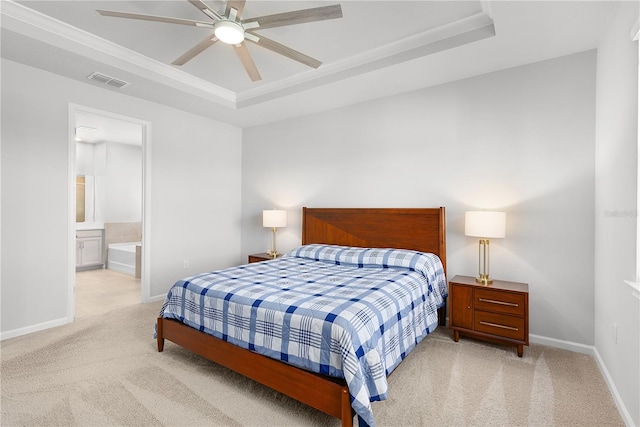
[[123, 183], [85, 164], [195, 192], [616, 214], [521, 140]]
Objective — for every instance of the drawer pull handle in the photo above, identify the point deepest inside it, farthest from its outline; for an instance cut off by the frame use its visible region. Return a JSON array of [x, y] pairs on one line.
[[495, 325], [492, 301]]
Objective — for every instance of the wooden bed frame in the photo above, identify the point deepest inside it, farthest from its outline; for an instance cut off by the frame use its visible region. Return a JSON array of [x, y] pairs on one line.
[[418, 229]]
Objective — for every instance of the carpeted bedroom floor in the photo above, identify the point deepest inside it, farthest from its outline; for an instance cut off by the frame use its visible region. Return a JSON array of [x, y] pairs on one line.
[[104, 370]]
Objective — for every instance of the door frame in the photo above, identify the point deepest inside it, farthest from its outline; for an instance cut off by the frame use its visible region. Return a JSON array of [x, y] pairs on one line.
[[145, 288]]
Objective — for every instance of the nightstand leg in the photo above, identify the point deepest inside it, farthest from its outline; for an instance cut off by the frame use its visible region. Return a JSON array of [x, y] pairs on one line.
[[456, 336], [520, 350]]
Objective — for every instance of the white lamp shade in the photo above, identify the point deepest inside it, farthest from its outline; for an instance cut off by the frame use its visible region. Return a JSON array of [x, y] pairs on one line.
[[486, 224], [274, 218]]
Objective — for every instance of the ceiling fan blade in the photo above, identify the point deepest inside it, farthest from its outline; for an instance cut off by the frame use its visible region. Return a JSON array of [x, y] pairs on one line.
[[197, 49], [247, 62], [285, 51], [238, 5], [211, 13], [296, 17], [155, 18]]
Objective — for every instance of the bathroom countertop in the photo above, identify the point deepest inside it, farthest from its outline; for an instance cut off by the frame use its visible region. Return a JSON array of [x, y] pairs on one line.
[[89, 226]]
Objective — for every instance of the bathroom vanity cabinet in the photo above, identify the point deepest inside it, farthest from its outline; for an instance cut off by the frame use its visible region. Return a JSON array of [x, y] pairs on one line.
[[89, 249]]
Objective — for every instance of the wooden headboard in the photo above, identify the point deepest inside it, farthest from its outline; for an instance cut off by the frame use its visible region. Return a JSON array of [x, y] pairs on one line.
[[422, 230]]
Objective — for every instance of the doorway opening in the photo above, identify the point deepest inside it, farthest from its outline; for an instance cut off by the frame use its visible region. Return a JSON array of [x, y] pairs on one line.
[[108, 174]]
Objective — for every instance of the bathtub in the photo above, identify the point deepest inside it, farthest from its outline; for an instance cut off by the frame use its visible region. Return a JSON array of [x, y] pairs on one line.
[[122, 257]]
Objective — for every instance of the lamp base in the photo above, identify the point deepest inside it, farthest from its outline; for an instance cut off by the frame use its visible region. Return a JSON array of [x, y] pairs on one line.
[[273, 252], [484, 279], [483, 263]]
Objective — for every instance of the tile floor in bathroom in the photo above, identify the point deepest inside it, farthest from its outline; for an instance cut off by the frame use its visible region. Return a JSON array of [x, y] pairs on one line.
[[100, 291]]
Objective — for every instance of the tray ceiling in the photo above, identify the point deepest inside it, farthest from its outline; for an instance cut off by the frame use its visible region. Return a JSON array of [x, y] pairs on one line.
[[377, 48]]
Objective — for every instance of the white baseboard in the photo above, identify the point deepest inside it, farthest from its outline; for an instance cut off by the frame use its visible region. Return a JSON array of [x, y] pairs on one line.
[[33, 328], [565, 345], [624, 413], [592, 351]]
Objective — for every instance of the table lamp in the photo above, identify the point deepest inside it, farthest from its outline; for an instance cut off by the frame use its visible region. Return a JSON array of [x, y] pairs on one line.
[[274, 219], [486, 225]]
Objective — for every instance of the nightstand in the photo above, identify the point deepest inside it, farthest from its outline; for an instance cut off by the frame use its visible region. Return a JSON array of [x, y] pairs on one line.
[[497, 313], [261, 257]]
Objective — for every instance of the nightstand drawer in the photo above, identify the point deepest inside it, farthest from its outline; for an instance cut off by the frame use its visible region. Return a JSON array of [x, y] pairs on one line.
[[499, 302], [501, 325]]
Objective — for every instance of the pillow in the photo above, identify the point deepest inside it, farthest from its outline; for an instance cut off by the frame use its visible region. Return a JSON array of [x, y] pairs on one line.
[[426, 263]]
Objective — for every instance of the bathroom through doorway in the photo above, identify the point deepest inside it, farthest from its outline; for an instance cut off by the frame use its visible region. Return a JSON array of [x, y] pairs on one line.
[[108, 153]]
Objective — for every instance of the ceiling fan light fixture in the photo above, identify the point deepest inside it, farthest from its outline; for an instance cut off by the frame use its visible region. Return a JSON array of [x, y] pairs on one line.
[[229, 32]]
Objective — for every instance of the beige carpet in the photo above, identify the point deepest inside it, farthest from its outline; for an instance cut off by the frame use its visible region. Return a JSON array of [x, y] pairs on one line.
[[105, 371]]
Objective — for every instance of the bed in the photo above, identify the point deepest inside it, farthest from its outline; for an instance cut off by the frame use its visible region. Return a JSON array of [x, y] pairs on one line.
[[420, 230]]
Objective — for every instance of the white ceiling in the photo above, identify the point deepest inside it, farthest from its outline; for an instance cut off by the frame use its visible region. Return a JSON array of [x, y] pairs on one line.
[[378, 48]]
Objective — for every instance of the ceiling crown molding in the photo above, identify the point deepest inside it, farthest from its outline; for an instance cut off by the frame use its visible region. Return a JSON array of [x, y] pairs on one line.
[[463, 31]]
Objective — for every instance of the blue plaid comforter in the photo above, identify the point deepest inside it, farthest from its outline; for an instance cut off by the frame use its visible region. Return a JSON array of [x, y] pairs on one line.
[[353, 313]]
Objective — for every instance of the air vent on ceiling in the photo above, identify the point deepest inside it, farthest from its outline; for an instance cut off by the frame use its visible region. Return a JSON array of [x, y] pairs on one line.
[[108, 80]]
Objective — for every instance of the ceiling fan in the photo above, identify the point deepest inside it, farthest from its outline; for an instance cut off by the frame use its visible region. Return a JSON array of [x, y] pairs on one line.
[[230, 28]]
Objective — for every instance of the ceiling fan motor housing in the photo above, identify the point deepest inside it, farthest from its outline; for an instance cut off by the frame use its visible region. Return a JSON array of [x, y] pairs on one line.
[[229, 32]]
